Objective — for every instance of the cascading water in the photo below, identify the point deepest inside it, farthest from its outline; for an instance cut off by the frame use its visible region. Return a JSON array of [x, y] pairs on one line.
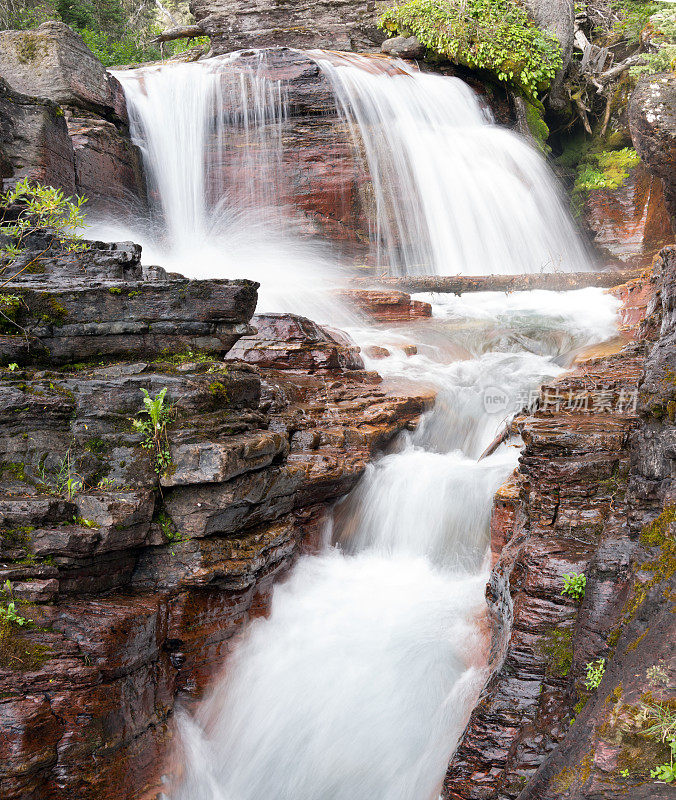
[[455, 194], [358, 684]]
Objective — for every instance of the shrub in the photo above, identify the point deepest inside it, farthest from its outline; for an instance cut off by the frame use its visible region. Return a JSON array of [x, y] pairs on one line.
[[574, 585], [493, 35]]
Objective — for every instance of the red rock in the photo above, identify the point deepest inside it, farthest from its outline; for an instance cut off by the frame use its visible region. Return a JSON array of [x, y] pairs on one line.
[[386, 306]]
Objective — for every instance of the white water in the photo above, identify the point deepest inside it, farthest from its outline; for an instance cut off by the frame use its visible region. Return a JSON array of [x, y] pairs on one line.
[[358, 684]]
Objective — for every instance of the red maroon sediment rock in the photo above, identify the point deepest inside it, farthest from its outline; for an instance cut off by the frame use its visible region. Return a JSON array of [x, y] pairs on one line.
[[75, 91], [386, 305], [588, 482], [630, 223], [34, 141]]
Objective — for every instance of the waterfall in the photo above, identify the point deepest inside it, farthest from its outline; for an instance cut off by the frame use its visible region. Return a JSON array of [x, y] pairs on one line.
[[358, 684], [455, 193]]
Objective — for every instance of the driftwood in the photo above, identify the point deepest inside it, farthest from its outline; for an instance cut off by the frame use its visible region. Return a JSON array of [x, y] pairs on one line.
[[457, 284], [184, 32], [600, 81]]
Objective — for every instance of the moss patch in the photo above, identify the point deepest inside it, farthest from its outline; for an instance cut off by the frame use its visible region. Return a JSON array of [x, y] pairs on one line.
[[557, 648]]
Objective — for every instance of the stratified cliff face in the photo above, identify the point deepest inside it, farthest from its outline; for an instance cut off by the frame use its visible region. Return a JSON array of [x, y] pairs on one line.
[[594, 493], [64, 118], [137, 575]]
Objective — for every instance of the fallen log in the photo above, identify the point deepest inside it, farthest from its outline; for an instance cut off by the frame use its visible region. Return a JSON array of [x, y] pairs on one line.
[[184, 32], [458, 284]]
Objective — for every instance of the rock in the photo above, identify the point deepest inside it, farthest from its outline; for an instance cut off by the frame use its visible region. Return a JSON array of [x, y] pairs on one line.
[[108, 311], [403, 47], [387, 305], [377, 352], [592, 494], [652, 120], [34, 141], [236, 25], [288, 341], [138, 584], [630, 223], [53, 62]]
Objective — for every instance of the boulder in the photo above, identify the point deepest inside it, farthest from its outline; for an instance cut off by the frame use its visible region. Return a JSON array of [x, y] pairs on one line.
[[53, 61], [403, 47]]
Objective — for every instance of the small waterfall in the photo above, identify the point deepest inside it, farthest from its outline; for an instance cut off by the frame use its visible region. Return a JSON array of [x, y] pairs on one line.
[[358, 684], [454, 193]]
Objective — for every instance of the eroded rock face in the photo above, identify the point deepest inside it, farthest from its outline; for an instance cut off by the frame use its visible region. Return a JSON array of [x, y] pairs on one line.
[[53, 62], [594, 493], [137, 580], [652, 119]]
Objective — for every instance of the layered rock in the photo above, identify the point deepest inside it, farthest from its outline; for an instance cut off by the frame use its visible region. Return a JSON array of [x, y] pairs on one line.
[[138, 572], [235, 25], [593, 493], [631, 223], [53, 63]]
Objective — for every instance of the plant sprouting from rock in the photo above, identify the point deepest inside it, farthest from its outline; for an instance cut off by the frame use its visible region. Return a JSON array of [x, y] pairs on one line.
[[8, 614], [152, 425], [574, 585], [595, 672]]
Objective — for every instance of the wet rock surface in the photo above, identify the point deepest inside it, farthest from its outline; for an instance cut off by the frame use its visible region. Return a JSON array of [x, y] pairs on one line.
[[138, 576], [594, 493]]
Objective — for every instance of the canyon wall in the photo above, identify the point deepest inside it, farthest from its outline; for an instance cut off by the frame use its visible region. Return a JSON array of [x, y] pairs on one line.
[[138, 566], [594, 494]]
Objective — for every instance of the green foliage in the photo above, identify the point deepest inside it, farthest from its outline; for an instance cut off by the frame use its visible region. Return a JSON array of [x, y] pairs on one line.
[[595, 672], [574, 585], [659, 723], [631, 16], [663, 27], [152, 425], [40, 207], [606, 170], [493, 35], [9, 614], [117, 31]]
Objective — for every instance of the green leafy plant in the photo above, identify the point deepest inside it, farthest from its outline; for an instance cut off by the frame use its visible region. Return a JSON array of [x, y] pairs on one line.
[[574, 585], [663, 57], [40, 207], [595, 672], [68, 483], [152, 425], [494, 35], [9, 614]]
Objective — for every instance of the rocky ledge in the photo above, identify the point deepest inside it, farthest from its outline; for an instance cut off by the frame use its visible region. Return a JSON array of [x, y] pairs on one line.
[[138, 560], [594, 494]]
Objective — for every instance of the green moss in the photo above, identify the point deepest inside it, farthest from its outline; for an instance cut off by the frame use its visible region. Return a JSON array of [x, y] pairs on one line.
[[97, 446], [14, 468], [557, 648], [493, 35], [606, 170], [26, 47], [115, 290], [219, 391], [18, 652], [537, 125], [657, 533]]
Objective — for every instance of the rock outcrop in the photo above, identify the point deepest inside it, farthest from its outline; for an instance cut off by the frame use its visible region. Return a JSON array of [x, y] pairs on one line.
[[138, 560], [53, 63], [652, 120], [593, 494]]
